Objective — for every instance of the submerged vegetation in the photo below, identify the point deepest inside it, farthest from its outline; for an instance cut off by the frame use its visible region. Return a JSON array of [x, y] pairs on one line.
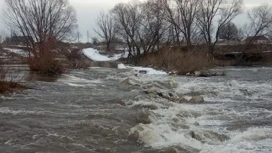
[[10, 86], [42, 30], [7, 84]]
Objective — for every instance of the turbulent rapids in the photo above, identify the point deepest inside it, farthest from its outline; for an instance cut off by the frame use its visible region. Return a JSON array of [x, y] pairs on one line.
[[107, 110]]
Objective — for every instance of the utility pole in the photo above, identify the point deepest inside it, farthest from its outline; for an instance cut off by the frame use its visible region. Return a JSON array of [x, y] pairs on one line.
[[88, 36], [78, 36]]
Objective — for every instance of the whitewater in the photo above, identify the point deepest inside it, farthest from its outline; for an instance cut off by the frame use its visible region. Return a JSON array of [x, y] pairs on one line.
[[236, 116], [97, 110]]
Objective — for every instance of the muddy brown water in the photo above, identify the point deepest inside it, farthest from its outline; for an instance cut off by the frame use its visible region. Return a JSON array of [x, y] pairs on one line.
[[83, 111], [79, 112]]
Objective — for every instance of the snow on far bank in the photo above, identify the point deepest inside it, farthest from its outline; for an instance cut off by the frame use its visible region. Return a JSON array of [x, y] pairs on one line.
[[94, 55], [149, 71], [121, 66], [19, 52], [145, 70]]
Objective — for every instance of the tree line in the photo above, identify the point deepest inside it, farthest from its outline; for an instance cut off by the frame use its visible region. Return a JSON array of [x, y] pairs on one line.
[[153, 24], [43, 24], [144, 27]]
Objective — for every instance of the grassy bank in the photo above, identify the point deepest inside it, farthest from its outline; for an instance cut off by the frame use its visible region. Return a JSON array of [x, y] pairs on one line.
[[178, 61], [183, 62]]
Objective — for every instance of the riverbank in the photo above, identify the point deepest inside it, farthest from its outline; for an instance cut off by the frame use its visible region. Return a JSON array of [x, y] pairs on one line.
[[188, 62]]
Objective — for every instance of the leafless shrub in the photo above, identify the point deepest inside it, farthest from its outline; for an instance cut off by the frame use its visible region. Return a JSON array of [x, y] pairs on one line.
[[182, 17], [106, 29], [229, 32], [208, 11], [47, 65], [3, 73], [43, 23], [74, 58], [9, 81], [260, 23], [176, 60], [141, 26]]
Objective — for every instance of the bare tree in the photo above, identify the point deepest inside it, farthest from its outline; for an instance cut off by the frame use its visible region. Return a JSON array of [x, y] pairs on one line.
[[141, 25], [260, 23], [1, 49], [42, 22], [209, 10], [106, 29], [229, 32], [153, 26], [1, 39], [128, 20], [182, 16], [95, 41], [78, 36]]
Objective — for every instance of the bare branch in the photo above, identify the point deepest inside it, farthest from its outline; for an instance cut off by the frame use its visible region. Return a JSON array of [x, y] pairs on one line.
[[106, 29]]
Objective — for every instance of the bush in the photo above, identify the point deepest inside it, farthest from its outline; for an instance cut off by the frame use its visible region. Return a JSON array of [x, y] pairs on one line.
[[73, 57], [176, 60], [45, 66], [9, 86]]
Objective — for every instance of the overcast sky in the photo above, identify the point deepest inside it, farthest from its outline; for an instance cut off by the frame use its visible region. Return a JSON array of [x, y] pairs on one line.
[[88, 10]]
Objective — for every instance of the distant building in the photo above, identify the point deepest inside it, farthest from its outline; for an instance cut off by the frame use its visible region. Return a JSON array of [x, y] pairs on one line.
[[18, 40], [257, 39], [228, 42]]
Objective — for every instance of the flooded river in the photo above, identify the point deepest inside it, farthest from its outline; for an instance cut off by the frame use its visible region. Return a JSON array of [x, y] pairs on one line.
[[92, 111]]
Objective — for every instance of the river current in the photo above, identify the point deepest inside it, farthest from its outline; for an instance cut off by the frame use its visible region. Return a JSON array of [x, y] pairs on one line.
[[92, 111]]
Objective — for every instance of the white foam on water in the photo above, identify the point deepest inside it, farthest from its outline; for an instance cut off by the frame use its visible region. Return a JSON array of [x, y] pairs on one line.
[[251, 141], [225, 90], [79, 82], [145, 103], [7, 110], [146, 70], [159, 136], [171, 125], [121, 66]]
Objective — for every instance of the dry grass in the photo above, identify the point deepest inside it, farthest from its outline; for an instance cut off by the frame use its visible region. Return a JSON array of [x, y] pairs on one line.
[[54, 62], [9, 87], [46, 66], [45, 62], [179, 61], [223, 63], [74, 58]]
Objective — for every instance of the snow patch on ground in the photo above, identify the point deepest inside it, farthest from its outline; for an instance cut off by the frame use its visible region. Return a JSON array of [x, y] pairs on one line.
[[121, 66], [149, 71], [19, 52], [95, 55]]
